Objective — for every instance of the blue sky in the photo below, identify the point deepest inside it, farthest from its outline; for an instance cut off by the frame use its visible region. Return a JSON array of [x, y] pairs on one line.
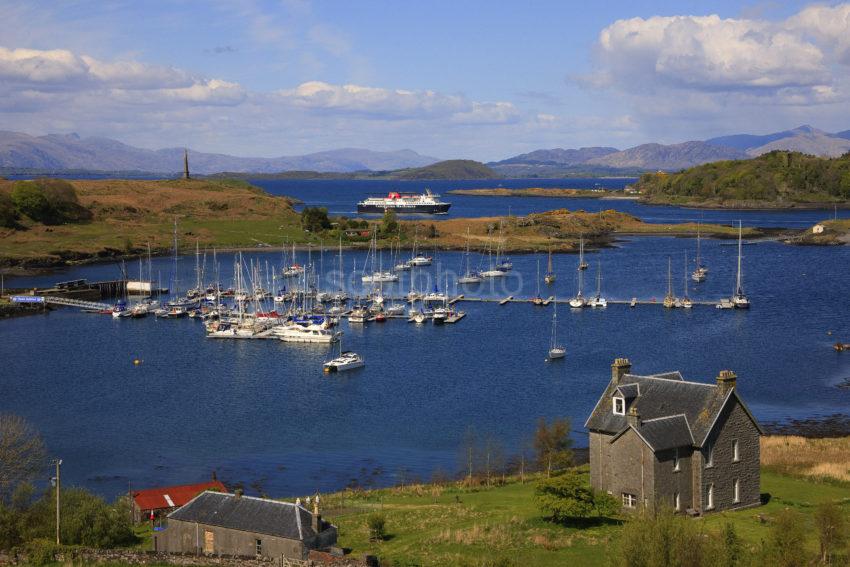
[[482, 80]]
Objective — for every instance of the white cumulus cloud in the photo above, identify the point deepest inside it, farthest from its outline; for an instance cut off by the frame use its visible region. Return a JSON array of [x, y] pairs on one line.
[[373, 101], [707, 52], [828, 25]]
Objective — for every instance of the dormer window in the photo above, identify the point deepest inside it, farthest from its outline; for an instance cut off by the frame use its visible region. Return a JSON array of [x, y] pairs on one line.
[[619, 406]]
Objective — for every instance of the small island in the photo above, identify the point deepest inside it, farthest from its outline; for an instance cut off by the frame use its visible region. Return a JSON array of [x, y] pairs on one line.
[[776, 180]]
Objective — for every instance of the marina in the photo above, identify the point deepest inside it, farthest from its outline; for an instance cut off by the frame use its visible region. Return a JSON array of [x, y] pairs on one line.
[[179, 372]]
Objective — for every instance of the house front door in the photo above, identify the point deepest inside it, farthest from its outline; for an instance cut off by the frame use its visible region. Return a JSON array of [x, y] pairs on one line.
[[209, 542]]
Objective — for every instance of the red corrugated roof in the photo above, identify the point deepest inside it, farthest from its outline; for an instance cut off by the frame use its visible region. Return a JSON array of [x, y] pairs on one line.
[[171, 496]]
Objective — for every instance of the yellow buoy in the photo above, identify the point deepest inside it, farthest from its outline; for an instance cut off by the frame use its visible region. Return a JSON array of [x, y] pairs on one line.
[[136, 361]]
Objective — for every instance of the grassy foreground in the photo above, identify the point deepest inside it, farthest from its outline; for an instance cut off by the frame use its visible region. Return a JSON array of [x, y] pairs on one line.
[[429, 525]]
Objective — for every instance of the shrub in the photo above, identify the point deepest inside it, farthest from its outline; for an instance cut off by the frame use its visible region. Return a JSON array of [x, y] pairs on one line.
[[377, 526], [30, 201], [789, 539], [566, 497], [41, 551], [86, 520], [830, 523], [661, 539], [8, 214], [315, 219]]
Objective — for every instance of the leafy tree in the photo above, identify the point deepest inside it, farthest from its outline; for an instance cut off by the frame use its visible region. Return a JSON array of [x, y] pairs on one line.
[[22, 453], [389, 224], [30, 201], [788, 539], [566, 497], [86, 520], [553, 445], [8, 214], [831, 527], [315, 219]]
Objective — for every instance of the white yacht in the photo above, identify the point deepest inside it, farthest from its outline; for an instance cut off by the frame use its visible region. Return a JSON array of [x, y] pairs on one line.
[[358, 315], [310, 333], [379, 277], [345, 361], [420, 260]]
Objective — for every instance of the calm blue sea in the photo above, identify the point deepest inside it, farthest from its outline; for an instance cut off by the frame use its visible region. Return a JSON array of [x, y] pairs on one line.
[[340, 196], [263, 414]]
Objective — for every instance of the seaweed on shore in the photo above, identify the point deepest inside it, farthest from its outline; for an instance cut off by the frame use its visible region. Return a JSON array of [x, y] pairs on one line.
[[835, 425]]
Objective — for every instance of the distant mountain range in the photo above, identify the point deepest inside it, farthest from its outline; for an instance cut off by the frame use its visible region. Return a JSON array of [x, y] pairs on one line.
[[672, 157], [57, 153], [69, 151]]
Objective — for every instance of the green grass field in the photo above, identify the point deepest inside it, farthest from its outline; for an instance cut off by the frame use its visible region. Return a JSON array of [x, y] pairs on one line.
[[429, 525]]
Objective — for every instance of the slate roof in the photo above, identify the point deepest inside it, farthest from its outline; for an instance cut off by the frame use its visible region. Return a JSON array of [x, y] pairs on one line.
[[663, 396], [172, 496], [629, 391], [666, 433], [248, 514]]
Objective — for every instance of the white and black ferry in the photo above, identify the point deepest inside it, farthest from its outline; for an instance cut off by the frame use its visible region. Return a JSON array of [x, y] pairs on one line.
[[428, 203]]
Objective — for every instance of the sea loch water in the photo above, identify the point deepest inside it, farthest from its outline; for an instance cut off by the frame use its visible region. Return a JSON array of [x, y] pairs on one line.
[[262, 413]]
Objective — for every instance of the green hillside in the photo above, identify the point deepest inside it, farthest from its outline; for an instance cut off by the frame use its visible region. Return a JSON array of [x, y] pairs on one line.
[[449, 169], [776, 179]]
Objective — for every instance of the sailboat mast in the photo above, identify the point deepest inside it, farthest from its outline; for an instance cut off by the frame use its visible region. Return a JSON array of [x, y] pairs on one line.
[[599, 279], [538, 277], [738, 287], [669, 277]]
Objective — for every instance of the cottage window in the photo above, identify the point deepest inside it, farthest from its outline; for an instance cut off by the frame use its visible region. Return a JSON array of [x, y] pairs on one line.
[[629, 500], [709, 455], [677, 504], [735, 455], [676, 459], [259, 547], [710, 503], [619, 406], [736, 491]]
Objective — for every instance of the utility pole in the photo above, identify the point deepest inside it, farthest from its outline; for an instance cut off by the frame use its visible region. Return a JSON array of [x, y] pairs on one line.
[[58, 463]]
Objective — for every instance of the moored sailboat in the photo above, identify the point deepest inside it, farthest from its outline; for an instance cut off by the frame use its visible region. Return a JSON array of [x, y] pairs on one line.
[[549, 278], [556, 350], [740, 300], [670, 300], [598, 300], [582, 263]]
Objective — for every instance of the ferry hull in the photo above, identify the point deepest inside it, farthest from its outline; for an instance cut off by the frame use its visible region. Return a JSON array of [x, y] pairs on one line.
[[438, 209]]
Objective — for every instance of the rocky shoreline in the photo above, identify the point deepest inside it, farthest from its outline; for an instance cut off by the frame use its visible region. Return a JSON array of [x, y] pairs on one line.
[[835, 425]]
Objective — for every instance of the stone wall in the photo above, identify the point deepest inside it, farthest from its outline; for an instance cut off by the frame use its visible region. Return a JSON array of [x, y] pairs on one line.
[[733, 424], [190, 537], [669, 481], [632, 468]]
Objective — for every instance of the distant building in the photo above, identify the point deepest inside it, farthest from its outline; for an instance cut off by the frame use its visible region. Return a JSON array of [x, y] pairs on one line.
[[161, 501], [220, 524], [660, 440], [818, 229]]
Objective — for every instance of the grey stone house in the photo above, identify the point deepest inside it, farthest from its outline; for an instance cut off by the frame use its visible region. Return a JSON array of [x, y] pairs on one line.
[[660, 440], [215, 523]]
